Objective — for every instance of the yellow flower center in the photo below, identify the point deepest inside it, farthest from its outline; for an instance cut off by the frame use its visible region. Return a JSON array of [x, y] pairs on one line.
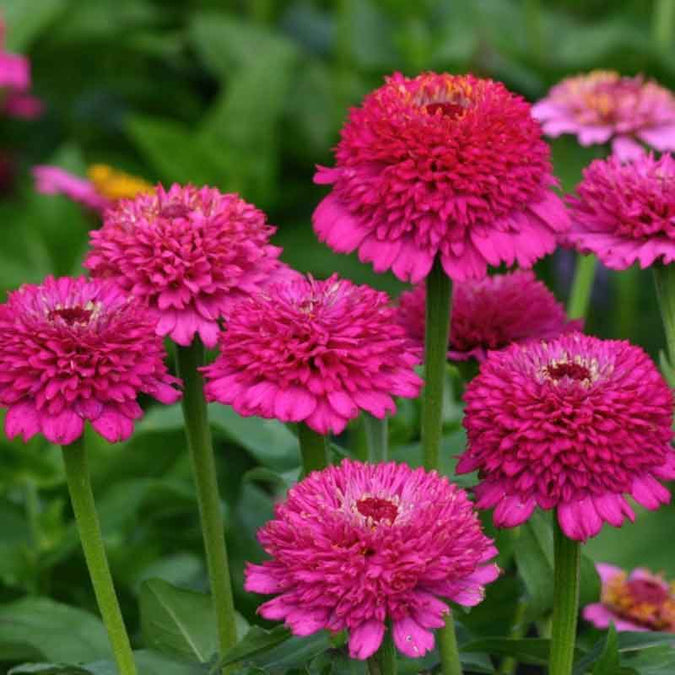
[[114, 184]]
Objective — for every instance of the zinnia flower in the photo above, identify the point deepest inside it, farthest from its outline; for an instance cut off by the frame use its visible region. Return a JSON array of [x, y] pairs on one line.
[[625, 213], [188, 253], [15, 82], [640, 601], [443, 165], [572, 424], [73, 350], [316, 352], [491, 314], [603, 106], [102, 187], [357, 545]]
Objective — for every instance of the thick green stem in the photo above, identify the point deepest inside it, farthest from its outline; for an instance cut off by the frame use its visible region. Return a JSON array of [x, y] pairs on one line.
[[663, 24], [377, 435], [565, 602], [582, 286], [437, 334], [664, 276], [384, 662], [313, 448], [447, 647], [84, 507], [198, 432]]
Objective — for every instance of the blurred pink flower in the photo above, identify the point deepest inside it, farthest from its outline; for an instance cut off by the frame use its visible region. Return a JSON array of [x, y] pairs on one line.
[[572, 424], [73, 350], [640, 601], [357, 545], [188, 253], [316, 352], [602, 106], [625, 213], [443, 165], [51, 180], [491, 314], [14, 84]]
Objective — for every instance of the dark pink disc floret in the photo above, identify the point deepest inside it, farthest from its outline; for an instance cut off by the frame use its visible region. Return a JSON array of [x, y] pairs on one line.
[[316, 352], [188, 253], [358, 545], [574, 424], [73, 350]]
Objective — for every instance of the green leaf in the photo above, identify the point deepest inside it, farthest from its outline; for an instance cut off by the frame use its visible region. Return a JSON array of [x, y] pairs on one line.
[[256, 641], [26, 20], [534, 559], [608, 663], [177, 621], [49, 669], [525, 650], [41, 629]]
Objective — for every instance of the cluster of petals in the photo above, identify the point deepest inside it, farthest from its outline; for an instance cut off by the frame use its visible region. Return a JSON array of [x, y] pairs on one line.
[[574, 424], [639, 601], [15, 82], [188, 253], [625, 213], [73, 350], [102, 187], [602, 106], [490, 314], [358, 545], [316, 352], [441, 165]]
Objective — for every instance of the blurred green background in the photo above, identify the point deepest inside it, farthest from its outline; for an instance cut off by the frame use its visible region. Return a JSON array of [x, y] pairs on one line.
[[249, 97]]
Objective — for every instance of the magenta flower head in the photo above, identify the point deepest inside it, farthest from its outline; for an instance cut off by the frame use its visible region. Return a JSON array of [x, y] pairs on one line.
[[188, 253], [625, 213], [639, 601], [490, 314], [357, 545], [73, 350], [443, 165], [52, 180], [602, 106], [316, 352], [572, 424]]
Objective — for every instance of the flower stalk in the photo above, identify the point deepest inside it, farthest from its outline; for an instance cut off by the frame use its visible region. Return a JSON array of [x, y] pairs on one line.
[[190, 359], [582, 286], [437, 334], [313, 448], [84, 508], [567, 557], [377, 432], [664, 277], [384, 662]]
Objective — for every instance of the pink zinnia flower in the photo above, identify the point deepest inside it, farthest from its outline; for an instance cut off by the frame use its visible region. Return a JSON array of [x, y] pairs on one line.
[[357, 545], [188, 253], [15, 82], [316, 352], [625, 213], [73, 350], [603, 106], [443, 165], [491, 314], [640, 601], [572, 424]]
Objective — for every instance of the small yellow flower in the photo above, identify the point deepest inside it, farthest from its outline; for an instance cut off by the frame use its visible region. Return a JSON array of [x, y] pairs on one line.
[[114, 184]]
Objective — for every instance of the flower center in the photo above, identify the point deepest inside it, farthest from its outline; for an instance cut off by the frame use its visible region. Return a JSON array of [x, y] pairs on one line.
[[575, 371], [377, 509], [71, 315], [647, 590], [446, 108]]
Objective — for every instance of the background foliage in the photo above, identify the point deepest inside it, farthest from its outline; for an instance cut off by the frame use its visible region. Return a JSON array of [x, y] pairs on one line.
[[248, 96]]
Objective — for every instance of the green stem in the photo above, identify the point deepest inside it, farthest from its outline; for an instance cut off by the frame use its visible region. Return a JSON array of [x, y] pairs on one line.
[[84, 507], [198, 432], [377, 434], [582, 286], [313, 448], [534, 28], [384, 662], [664, 277], [32, 505], [509, 663], [565, 602], [627, 287], [447, 647], [437, 334], [663, 21]]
